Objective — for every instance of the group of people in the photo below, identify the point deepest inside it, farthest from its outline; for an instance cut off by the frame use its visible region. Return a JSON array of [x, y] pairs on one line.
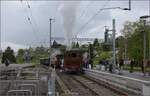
[[87, 63], [108, 65], [146, 67]]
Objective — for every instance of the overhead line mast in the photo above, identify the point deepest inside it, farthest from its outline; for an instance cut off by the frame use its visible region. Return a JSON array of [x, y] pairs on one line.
[[50, 32]]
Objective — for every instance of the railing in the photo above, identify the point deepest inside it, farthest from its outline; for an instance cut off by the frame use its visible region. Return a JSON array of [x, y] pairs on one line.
[[28, 86], [51, 84], [27, 82], [19, 93], [135, 85]]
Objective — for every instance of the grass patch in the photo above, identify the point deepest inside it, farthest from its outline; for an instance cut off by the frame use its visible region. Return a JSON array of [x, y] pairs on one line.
[[135, 68]]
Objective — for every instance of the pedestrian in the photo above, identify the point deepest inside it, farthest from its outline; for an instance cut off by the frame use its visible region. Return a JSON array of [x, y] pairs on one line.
[[103, 65], [142, 68], [90, 64], [62, 63], [106, 64], [148, 65], [121, 63], [132, 65], [7, 62], [86, 62], [110, 66]]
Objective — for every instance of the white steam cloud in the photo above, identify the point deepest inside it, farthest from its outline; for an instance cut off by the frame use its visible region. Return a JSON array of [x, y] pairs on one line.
[[68, 11]]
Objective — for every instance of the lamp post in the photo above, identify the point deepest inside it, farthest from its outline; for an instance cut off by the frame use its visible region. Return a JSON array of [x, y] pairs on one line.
[[50, 22], [114, 31], [144, 19]]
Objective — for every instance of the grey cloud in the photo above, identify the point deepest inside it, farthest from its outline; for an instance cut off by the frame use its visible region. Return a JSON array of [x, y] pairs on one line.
[[16, 28]]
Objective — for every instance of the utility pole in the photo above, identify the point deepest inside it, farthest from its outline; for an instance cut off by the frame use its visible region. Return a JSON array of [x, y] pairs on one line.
[[144, 18], [0, 42], [149, 32], [125, 50], [106, 35], [50, 30], [144, 40], [114, 43]]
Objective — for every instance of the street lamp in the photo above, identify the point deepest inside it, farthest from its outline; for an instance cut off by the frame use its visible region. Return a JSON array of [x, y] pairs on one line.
[[144, 19], [114, 30], [50, 32], [129, 8]]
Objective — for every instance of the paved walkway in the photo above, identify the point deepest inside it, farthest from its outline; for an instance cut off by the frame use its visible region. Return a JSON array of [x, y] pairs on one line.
[[137, 75], [13, 66]]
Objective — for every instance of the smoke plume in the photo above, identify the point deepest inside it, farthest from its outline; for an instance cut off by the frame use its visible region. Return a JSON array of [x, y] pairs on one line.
[[68, 11]]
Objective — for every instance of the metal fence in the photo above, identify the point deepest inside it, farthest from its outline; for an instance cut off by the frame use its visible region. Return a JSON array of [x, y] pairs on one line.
[[26, 82]]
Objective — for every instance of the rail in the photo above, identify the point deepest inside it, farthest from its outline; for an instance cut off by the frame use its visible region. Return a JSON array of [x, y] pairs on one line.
[[19, 91], [122, 81], [30, 85]]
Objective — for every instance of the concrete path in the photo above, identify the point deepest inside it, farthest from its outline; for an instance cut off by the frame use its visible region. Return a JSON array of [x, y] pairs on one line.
[[137, 75], [13, 66]]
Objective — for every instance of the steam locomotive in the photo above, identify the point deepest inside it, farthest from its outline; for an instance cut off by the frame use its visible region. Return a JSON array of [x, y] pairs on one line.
[[73, 60], [69, 61]]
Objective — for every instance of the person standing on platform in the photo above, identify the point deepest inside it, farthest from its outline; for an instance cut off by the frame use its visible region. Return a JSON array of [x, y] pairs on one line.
[[132, 65], [7, 62], [142, 66], [111, 66], [121, 63], [106, 64], [148, 67]]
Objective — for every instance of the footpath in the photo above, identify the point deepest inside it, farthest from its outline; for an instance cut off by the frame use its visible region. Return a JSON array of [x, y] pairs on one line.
[[137, 75]]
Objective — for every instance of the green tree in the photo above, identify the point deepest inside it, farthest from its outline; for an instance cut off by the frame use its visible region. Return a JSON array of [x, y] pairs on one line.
[[55, 44], [77, 45], [20, 56], [133, 34], [9, 54], [73, 45], [95, 43]]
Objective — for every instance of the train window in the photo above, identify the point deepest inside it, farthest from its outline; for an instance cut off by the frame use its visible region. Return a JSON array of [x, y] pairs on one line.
[[68, 55], [74, 55]]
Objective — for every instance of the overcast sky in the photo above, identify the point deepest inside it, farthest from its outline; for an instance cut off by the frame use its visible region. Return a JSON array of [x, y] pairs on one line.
[[22, 26]]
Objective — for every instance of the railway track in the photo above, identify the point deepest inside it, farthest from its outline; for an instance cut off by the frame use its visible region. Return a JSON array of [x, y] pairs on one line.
[[97, 87], [81, 85], [73, 87]]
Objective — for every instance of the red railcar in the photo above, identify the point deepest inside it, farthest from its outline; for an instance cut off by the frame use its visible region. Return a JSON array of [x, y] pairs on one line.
[[73, 61]]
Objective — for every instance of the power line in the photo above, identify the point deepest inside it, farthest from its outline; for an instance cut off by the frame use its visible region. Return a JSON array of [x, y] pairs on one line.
[[81, 28], [29, 19], [25, 11], [83, 12], [31, 14], [149, 7]]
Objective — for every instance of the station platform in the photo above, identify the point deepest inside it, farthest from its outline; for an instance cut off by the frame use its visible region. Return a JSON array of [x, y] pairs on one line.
[[134, 82], [126, 73], [137, 75]]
